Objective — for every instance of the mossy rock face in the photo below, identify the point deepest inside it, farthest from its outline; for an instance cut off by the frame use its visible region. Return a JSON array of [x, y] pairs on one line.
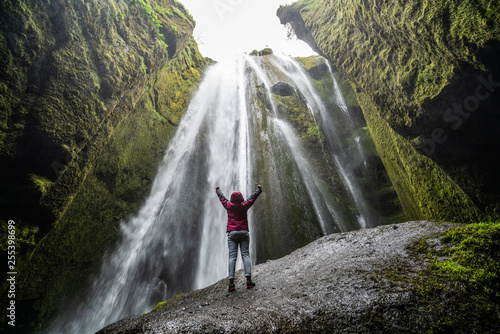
[[290, 104], [374, 180], [90, 94], [71, 72], [427, 78], [464, 270], [318, 72]]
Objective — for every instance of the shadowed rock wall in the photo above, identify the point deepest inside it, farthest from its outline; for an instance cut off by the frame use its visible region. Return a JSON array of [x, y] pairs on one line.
[[427, 78]]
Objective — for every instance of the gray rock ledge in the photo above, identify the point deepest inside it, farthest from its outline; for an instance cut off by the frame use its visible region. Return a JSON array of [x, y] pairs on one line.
[[332, 285]]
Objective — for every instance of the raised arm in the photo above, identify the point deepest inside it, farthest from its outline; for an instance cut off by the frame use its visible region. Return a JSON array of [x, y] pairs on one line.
[[221, 196], [254, 196]]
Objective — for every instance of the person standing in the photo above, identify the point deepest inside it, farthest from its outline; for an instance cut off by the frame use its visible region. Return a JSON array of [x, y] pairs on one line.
[[237, 232]]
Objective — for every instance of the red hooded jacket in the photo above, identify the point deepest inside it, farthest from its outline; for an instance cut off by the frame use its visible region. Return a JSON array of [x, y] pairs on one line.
[[237, 209]]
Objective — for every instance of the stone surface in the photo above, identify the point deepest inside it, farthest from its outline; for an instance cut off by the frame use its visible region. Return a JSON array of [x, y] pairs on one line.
[[282, 89], [334, 284]]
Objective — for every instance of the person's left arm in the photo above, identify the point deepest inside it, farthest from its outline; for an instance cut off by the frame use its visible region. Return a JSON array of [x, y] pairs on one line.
[[254, 196]]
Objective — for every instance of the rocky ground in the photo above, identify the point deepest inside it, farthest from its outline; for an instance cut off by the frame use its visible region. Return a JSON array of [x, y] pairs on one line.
[[335, 284]]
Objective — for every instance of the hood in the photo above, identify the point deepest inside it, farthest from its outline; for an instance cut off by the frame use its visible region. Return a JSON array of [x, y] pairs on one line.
[[236, 197]]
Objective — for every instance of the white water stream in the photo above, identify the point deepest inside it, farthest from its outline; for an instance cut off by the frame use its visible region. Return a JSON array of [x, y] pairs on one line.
[[177, 240]]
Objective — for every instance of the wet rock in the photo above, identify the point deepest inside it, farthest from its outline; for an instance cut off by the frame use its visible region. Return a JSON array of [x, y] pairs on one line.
[[282, 89], [319, 71], [419, 108], [263, 52], [334, 284]]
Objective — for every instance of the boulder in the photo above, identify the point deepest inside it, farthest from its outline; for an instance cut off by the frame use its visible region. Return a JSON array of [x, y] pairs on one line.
[[336, 284], [282, 89]]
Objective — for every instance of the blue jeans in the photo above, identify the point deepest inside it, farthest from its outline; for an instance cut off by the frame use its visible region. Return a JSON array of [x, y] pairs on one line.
[[242, 238]]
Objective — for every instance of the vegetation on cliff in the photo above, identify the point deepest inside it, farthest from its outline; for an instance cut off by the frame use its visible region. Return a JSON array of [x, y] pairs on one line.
[[426, 77], [425, 74], [464, 270], [91, 92]]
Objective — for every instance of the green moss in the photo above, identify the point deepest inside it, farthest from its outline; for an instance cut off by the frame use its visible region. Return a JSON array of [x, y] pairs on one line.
[[310, 62], [424, 189], [473, 257], [164, 304], [398, 56], [42, 184], [325, 87], [101, 103], [459, 293], [366, 141], [24, 237]]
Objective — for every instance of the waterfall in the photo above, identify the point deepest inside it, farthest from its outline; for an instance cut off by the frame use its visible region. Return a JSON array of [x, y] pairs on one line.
[[342, 155], [231, 136], [339, 98]]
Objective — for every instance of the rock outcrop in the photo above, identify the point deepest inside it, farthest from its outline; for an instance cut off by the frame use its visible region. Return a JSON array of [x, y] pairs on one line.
[[282, 89], [90, 93], [427, 78], [337, 284]]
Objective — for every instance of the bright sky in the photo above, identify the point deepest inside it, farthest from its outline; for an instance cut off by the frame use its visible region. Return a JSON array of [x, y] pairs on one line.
[[225, 27]]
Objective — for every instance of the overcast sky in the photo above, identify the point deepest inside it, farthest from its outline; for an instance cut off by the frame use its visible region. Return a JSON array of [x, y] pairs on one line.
[[225, 27]]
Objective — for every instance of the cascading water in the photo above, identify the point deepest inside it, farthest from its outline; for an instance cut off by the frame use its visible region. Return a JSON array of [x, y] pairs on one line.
[[342, 155], [232, 136]]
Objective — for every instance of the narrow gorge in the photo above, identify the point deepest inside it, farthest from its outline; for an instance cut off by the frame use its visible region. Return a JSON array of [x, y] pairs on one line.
[[254, 119], [374, 155]]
